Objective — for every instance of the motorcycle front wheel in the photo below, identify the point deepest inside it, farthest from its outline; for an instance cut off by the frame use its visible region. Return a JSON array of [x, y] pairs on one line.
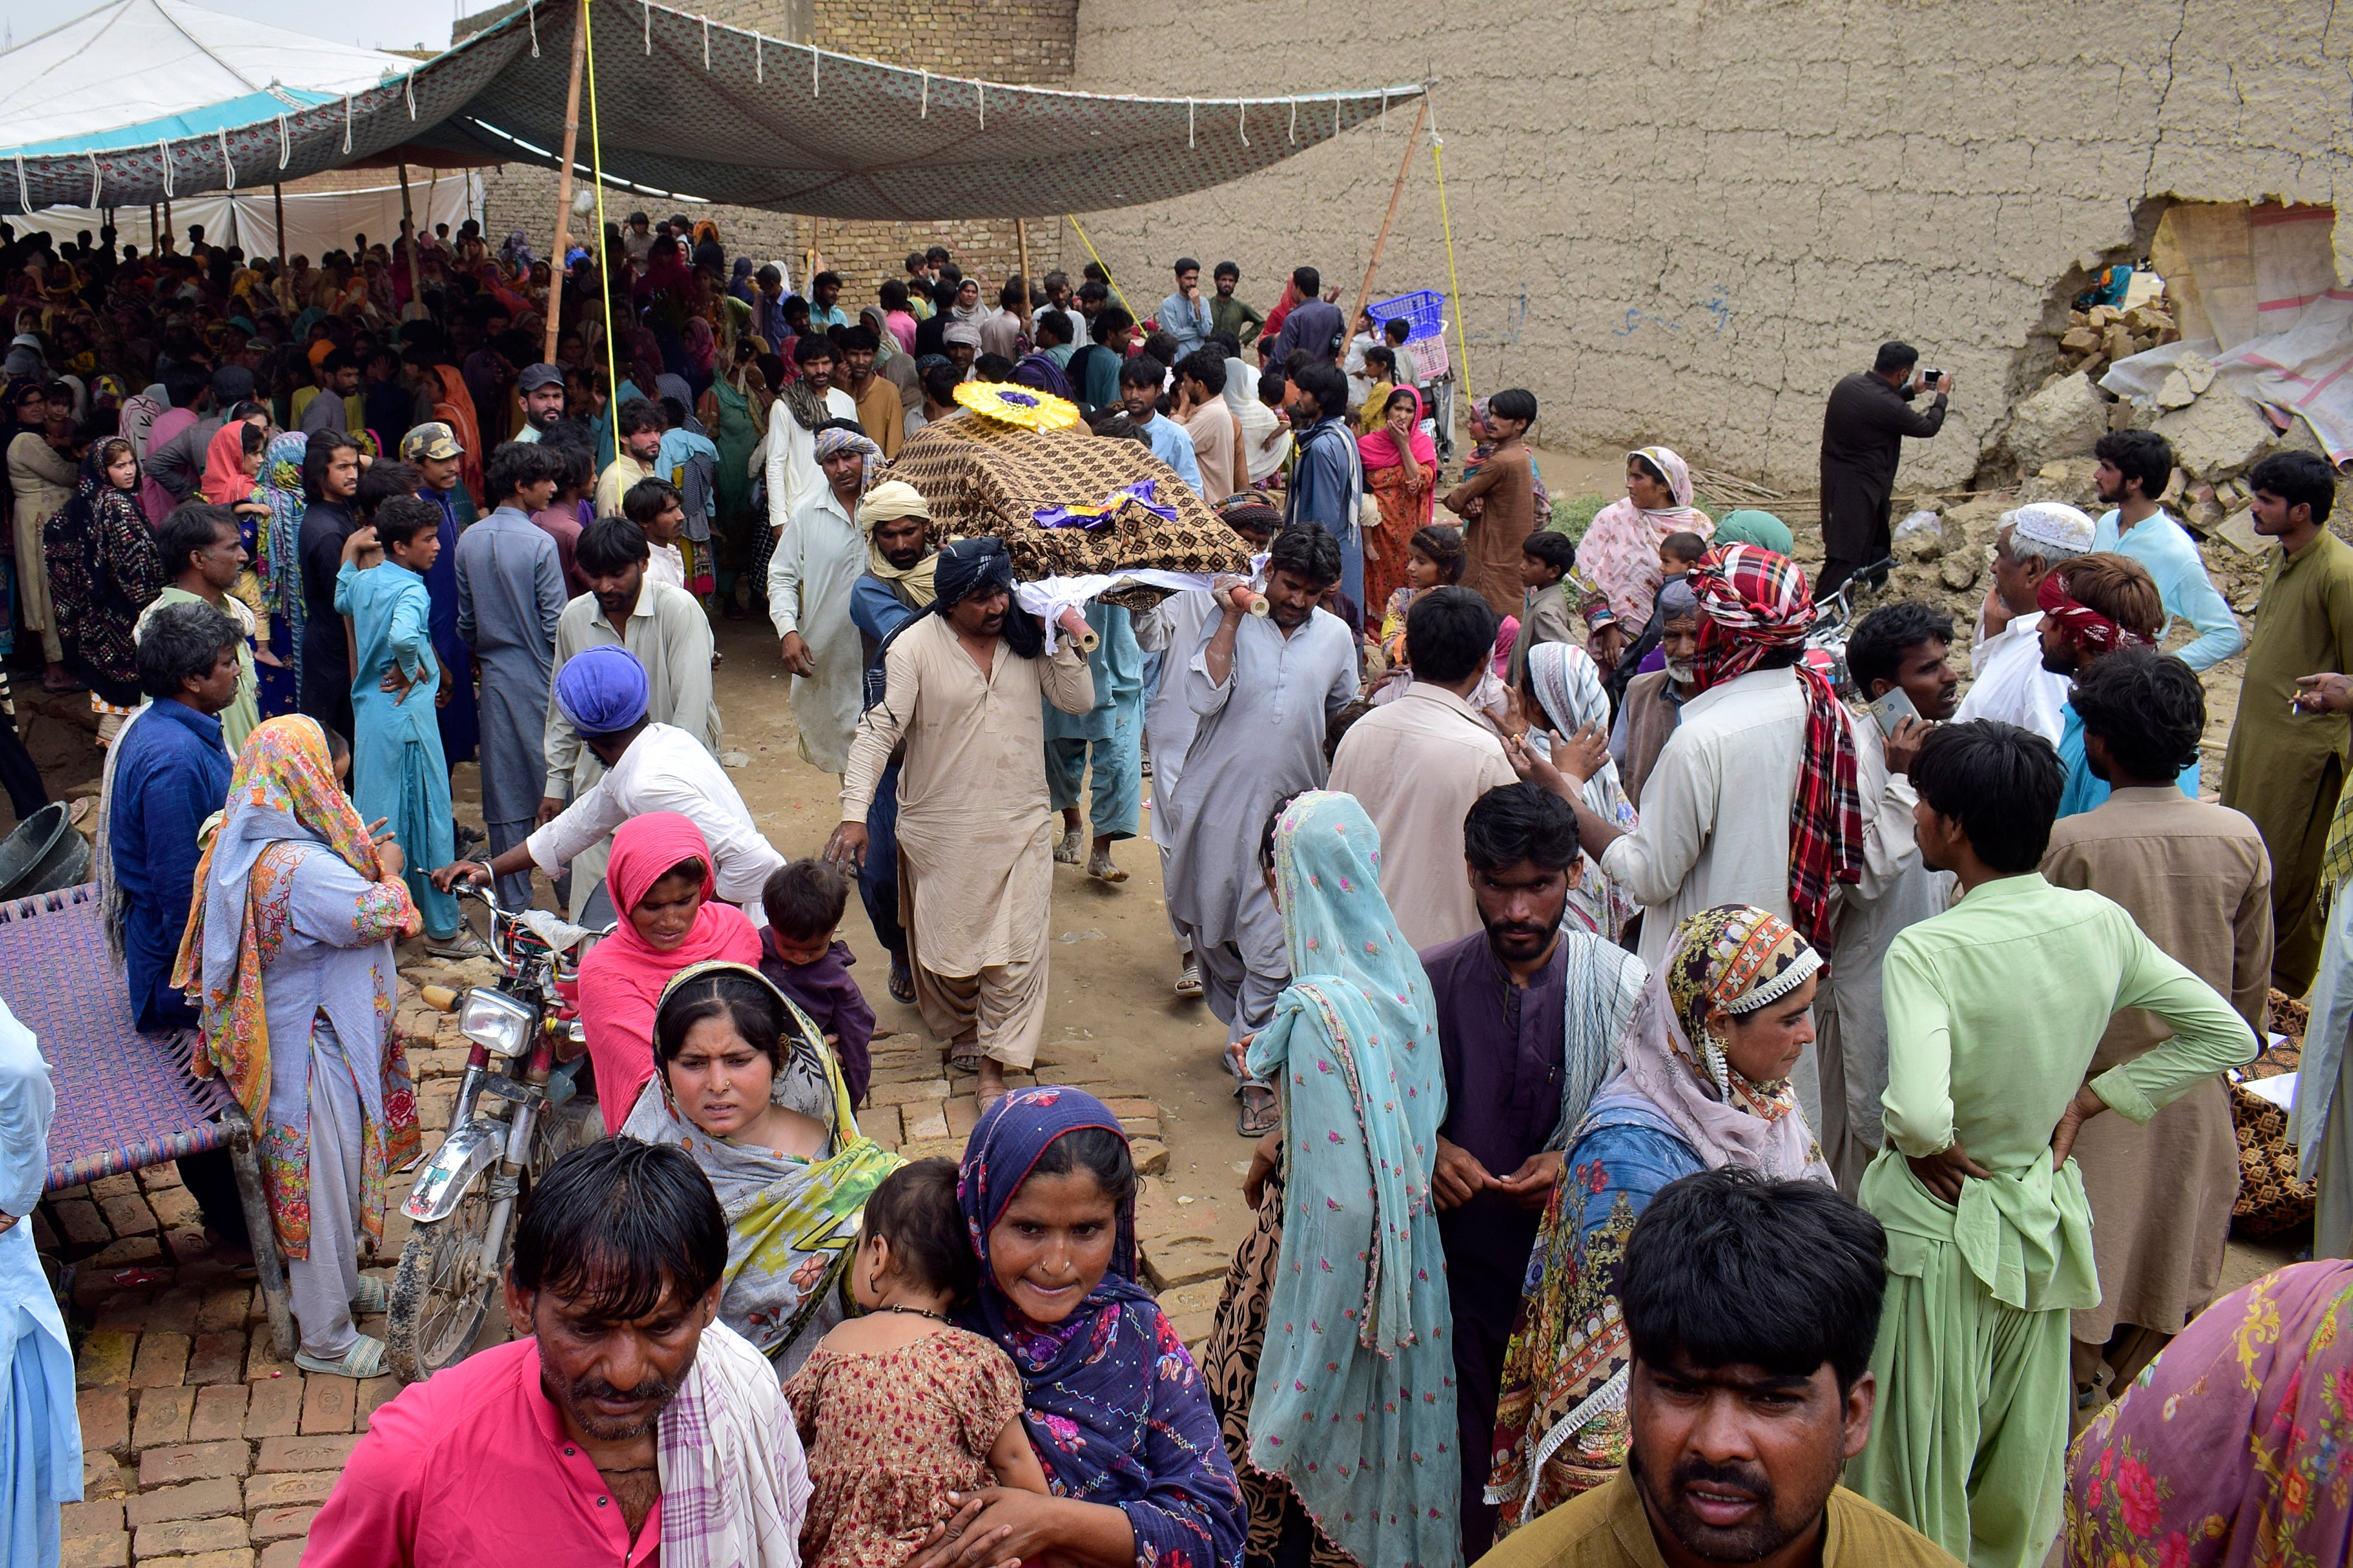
[[441, 1292]]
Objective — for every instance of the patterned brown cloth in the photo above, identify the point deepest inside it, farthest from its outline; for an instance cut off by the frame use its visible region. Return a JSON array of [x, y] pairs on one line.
[[1229, 1372], [980, 477]]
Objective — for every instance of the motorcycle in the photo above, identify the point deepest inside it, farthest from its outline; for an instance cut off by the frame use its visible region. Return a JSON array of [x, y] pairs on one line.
[[517, 1112], [1834, 619]]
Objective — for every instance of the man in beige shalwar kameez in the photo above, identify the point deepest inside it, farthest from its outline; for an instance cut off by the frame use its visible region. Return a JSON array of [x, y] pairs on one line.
[[976, 829], [2196, 879]]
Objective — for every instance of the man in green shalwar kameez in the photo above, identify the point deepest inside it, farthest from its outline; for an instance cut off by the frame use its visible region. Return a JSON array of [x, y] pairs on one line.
[[2286, 768], [1994, 1011]]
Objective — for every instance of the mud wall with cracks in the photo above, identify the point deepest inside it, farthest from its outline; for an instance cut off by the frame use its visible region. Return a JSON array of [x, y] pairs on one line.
[[1714, 209]]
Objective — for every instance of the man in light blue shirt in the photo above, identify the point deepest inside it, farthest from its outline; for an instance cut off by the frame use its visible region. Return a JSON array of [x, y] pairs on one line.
[[2135, 468], [1186, 313], [824, 309], [1139, 390]]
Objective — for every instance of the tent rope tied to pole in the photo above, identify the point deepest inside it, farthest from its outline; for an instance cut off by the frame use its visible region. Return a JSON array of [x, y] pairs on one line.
[[533, 8], [409, 82], [163, 147], [285, 144], [1453, 279], [347, 122], [228, 167]]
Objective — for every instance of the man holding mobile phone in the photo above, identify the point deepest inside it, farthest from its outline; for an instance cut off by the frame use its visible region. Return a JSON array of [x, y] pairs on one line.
[[1899, 660], [1864, 427]]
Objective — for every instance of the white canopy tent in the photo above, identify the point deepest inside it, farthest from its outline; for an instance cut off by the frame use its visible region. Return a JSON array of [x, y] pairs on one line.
[[317, 221]]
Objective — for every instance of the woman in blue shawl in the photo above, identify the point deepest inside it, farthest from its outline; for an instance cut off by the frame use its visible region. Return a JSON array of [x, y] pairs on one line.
[[1330, 1363], [1115, 1405]]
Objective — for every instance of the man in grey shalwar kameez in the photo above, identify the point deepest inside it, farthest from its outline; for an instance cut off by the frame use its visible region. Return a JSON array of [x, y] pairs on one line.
[[1263, 687], [509, 597]]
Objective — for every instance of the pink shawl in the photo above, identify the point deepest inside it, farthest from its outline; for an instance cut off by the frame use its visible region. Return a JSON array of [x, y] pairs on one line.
[[623, 975], [1620, 551], [225, 482], [1380, 449]]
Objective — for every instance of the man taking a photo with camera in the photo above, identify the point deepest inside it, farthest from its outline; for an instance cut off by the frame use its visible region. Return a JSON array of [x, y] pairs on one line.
[[1864, 427]]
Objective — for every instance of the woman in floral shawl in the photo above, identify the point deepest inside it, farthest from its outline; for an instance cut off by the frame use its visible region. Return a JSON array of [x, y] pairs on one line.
[[792, 1218], [1619, 551], [104, 569], [1335, 1308], [1703, 1083], [289, 945], [1113, 1403], [2235, 1445]]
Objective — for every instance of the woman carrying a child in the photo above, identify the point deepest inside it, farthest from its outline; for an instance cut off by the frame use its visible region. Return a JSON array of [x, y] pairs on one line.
[[744, 1083], [1115, 1407]]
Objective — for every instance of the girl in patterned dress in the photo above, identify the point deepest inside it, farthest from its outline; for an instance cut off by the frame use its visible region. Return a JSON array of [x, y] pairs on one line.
[[899, 1407]]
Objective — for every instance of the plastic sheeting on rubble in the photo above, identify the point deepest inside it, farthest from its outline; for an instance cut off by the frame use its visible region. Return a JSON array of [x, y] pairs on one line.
[[692, 109], [2256, 294]]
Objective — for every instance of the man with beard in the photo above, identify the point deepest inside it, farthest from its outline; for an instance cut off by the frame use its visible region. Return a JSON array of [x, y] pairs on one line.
[[1751, 1306], [1528, 1021], [671, 637], [810, 577], [962, 690], [896, 587], [541, 387], [330, 479], [2136, 467], [1263, 687], [879, 410], [620, 1383], [790, 460]]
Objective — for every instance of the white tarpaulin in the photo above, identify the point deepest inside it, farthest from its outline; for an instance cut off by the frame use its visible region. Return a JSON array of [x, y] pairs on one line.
[[144, 60], [2257, 294], [316, 221], [693, 109]]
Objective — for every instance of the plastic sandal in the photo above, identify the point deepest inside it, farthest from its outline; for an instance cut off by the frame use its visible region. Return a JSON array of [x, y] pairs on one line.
[[903, 981], [372, 1296], [364, 1359], [1189, 981], [1258, 1113]]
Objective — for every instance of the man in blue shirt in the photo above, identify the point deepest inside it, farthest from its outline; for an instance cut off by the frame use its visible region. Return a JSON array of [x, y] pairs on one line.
[[1327, 485], [1312, 329], [2135, 468], [2092, 605], [169, 773], [1139, 390], [825, 293], [1184, 314]]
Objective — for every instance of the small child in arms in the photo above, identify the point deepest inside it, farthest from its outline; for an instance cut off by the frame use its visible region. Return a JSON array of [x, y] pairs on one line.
[[898, 1408], [804, 901]]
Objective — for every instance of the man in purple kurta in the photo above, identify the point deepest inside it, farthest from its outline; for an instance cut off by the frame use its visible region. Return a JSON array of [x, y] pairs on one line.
[[1528, 1020]]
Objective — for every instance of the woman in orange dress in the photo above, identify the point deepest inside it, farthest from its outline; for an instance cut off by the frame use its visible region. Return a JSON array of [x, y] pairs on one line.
[[1401, 474]]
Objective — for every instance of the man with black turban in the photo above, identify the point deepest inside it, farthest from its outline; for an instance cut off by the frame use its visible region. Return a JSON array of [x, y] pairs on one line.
[[962, 690]]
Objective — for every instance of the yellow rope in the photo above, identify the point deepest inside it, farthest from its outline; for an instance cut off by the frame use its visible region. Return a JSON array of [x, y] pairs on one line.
[[1089, 244], [1453, 280], [604, 255]]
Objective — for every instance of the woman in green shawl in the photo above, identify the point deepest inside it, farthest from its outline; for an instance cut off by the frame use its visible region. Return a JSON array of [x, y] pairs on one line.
[[744, 1082]]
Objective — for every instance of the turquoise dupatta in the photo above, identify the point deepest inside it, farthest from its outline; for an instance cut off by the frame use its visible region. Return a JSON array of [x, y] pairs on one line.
[[1355, 1401]]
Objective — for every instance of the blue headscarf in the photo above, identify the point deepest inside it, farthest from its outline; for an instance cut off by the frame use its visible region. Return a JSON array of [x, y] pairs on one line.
[[602, 689], [1110, 1388], [1354, 1403]]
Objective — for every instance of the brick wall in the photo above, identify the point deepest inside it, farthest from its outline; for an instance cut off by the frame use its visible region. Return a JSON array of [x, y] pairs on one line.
[[1024, 42], [1684, 222]]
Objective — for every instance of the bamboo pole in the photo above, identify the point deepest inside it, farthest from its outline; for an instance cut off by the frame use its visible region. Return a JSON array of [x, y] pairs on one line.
[[278, 200], [408, 231], [167, 215], [154, 232], [1405, 165], [555, 268], [1021, 249]]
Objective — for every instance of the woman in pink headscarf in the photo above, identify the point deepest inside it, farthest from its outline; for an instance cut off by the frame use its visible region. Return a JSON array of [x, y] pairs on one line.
[[1619, 551], [1401, 473]]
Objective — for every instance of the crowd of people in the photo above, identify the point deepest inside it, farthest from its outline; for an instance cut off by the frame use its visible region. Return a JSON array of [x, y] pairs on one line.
[[1678, 1061]]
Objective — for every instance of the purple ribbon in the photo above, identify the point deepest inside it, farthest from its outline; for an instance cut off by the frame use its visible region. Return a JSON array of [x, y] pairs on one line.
[[1093, 517]]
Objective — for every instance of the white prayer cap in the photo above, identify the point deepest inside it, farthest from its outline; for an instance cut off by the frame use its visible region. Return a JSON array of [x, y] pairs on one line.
[[2056, 524]]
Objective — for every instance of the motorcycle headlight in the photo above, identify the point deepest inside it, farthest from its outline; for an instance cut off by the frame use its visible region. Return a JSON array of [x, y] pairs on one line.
[[496, 1022]]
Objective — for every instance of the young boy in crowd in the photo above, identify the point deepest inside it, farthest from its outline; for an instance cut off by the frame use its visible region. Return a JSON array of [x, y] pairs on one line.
[[804, 901], [1678, 553], [656, 508], [1546, 558]]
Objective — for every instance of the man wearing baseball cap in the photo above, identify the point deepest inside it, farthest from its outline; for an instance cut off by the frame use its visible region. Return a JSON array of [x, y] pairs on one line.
[[541, 386]]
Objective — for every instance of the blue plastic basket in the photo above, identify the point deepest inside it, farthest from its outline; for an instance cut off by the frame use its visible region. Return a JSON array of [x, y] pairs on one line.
[[1425, 308]]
